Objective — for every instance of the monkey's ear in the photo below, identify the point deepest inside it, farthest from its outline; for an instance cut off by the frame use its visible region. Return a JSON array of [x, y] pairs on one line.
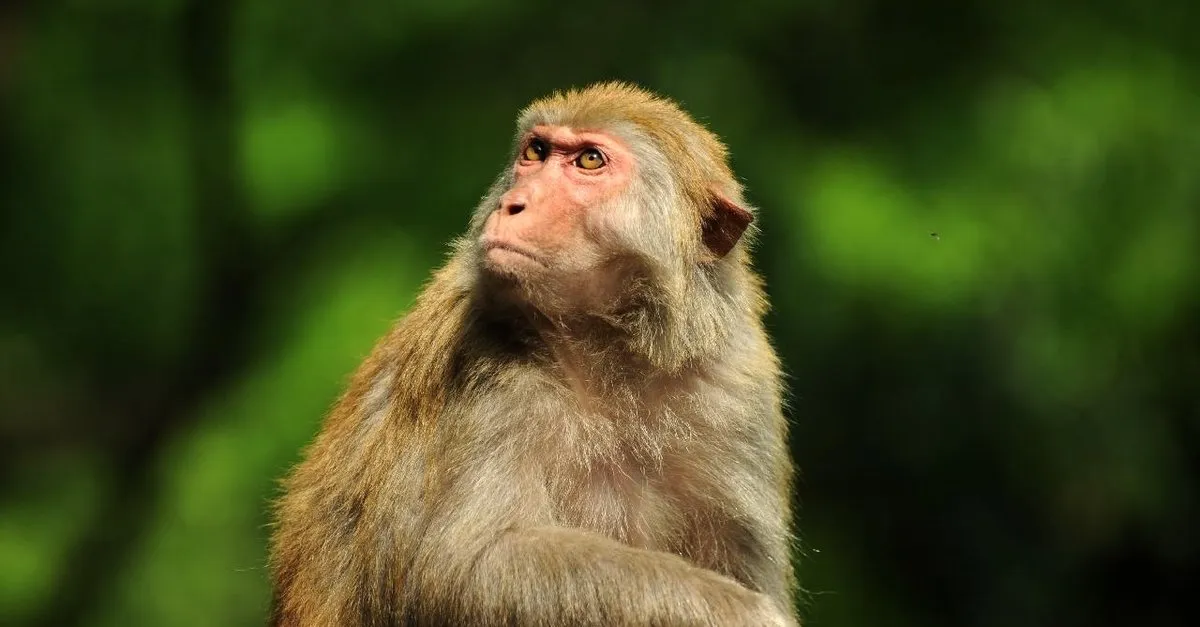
[[724, 227]]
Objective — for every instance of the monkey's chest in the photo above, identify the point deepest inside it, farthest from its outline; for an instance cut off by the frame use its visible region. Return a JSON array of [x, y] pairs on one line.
[[617, 499]]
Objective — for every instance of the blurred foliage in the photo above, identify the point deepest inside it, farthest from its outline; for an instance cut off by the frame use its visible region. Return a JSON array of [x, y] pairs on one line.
[[981, 236]]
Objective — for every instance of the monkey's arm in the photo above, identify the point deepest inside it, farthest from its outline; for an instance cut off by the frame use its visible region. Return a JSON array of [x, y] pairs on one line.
[[491, 564], [558, 576]]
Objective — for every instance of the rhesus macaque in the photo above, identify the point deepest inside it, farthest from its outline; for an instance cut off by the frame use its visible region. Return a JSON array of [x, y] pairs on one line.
[[579, 422]]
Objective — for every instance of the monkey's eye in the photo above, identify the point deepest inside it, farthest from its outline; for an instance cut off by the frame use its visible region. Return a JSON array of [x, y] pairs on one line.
[[535, 151], [590, 159]]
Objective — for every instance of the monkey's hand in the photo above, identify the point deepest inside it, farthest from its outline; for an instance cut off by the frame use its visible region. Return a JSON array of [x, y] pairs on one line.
[[770, 614], [760, 609]]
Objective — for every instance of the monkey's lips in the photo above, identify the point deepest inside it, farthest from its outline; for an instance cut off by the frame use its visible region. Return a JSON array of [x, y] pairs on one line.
[[504, 254]]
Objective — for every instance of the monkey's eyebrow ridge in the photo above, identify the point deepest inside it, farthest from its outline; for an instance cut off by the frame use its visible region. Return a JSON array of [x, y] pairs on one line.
[[560, 144]]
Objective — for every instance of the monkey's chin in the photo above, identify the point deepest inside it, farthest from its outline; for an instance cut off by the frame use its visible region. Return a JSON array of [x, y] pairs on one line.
[[512, 263]]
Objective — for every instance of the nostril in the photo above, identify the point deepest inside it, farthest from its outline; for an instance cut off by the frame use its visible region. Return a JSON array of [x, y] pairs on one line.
[[514, 208]]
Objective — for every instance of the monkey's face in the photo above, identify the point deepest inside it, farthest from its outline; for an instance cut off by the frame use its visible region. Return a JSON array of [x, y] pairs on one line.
[[547, 236]]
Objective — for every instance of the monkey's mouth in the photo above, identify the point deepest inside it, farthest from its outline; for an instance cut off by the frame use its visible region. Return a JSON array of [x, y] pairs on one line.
[[496, 250]]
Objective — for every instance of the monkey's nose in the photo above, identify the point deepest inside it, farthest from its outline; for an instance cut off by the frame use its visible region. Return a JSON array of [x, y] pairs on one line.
[[513, 202]]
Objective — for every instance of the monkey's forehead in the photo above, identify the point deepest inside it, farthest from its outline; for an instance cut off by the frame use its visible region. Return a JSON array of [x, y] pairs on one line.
[[572, 138], [616, 106]]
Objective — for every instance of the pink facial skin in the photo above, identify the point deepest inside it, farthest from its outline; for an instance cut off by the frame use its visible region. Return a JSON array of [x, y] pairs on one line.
[[542, 217]]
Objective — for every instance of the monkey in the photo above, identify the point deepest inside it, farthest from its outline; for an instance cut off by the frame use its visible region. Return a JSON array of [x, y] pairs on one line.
[[580, 419]]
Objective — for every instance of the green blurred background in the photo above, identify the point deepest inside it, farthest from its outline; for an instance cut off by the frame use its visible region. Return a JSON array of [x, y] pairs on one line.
[[980, 235]]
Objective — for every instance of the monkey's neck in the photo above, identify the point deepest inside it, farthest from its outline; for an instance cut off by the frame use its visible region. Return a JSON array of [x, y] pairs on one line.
[[595, 355], [653, 333]]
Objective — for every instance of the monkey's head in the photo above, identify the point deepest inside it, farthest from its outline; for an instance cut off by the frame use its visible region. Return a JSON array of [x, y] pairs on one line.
[[612, 191]]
